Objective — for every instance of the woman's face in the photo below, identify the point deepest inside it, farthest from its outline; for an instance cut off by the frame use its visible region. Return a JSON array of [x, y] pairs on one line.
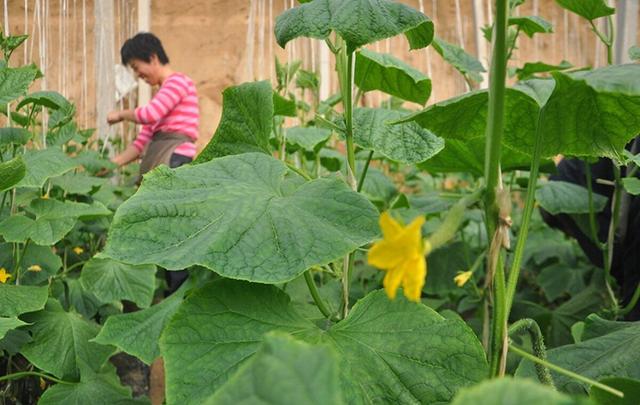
[[147, 71]]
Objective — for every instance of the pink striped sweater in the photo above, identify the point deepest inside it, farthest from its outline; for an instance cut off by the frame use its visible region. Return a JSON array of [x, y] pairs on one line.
[[174, 108]]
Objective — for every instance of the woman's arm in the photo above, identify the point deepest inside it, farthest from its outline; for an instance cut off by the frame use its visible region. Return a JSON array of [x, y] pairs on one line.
[[125, 115], [130, 154]]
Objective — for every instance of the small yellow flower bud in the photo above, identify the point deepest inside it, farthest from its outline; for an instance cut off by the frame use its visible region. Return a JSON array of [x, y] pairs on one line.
[[35, 268], [462, 278], [78, 250]]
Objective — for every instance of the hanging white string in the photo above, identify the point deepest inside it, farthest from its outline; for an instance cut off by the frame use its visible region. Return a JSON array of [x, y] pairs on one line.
[[26, 29], [249, 73], [261, 48], [270, 32], [536, 38], [85, 84], [6, 32], [6, 17]]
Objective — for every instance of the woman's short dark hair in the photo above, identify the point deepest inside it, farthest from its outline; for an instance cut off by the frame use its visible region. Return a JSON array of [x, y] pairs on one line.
[[142, 46]]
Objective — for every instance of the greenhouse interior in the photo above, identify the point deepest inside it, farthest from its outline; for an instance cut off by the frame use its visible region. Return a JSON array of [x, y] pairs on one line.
[[320, 202]]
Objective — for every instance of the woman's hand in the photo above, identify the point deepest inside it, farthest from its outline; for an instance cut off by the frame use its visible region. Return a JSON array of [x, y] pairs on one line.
[[114, 117]]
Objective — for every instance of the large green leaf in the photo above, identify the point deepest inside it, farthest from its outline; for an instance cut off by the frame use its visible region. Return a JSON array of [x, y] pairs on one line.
[[11, 172], [137, 333], [531, 68], [400, 352], [560, 278], [587, 113], [14, 135], [561, 197], [630, 388], [510, 391], [15, 82], [111, 280], [531, 25], [594, 327], [468, 156], [358, 22], [310, 139], [631, 185], [407, 143], [53, 220], [589, 9], [377, 186], [378, 71], [390, 351], [78, 183], [19, 299], [243, 216], [615, 353], [245, 126], [283, 106], [7, 324], [444, 264], [50, 99], [284, 371], [44, 258], [43, 164], [96, 388], [215, 330], [61, 342], [459, 59]]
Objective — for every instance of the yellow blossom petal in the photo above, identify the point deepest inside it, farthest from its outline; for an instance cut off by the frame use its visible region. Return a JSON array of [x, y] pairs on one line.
[[4, 276], [35, 268], [392, 281], [415, 276], [401, 254], [78, 250], [390, 227], [462, 278]]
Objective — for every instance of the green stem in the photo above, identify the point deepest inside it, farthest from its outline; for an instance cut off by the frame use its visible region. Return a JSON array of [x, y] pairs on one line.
[[530, 326], [499, 321], [22, 374], [344, 66], [346, 271], [298, 170], [592, 213], [632, 303], [564, 371], [363, 176], [19, 261], [495, 128], [313, 289], [514, 273], [613, 225]]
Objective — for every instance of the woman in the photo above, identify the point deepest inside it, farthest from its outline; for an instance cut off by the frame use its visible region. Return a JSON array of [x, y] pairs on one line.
[[170, 121]]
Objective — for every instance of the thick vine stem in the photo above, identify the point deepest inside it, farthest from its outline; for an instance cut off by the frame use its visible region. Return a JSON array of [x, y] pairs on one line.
[[21, 374], [344, 67], [564, 371], [514, 273], [495, 128], [315, 294], [530, 326]]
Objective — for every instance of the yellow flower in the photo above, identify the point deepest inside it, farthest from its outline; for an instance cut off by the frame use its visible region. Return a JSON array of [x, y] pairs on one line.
[[78, 250], [4, 276], [35, 268], [462, 278], [401, 255]]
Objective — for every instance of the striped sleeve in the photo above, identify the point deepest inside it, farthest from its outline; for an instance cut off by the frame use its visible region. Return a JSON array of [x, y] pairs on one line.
[[143, 138], [170, 94]]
